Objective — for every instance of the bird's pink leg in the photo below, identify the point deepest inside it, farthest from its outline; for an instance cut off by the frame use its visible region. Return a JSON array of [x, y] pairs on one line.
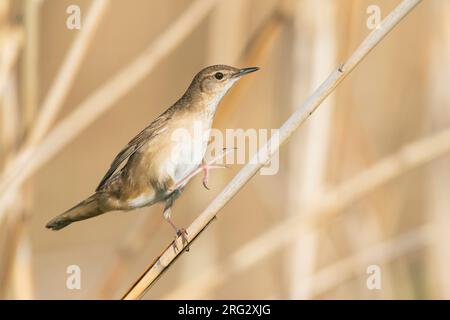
[[205, 167], [205, 175]]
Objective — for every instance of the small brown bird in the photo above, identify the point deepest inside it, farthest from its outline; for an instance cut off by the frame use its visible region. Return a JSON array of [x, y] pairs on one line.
[[157, 165]]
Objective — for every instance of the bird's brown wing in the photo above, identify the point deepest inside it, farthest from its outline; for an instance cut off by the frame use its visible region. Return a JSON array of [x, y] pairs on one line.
[[136, 143]]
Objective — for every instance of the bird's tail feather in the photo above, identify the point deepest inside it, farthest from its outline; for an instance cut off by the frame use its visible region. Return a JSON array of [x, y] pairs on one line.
[[84, 210]]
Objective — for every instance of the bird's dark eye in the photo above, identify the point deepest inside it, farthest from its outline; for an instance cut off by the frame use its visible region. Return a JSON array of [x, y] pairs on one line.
[[218, 75]]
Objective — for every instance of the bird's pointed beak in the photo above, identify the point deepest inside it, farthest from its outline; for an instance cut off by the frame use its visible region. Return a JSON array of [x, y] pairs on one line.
[[244, 71]]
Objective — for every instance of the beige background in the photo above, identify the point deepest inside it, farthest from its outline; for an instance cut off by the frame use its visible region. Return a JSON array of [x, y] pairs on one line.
[[391, 99]]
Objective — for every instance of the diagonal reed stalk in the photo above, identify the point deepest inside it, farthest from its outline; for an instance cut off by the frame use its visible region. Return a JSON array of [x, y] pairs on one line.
[[168, 256]]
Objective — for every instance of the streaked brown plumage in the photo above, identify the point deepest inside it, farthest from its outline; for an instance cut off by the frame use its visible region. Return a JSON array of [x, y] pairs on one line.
[[155, 162]]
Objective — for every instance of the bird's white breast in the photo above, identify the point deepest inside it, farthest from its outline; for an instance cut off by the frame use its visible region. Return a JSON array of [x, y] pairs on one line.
[[187, 151]]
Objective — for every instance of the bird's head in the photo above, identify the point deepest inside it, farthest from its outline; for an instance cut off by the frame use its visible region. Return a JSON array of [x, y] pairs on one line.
[[214, 81]]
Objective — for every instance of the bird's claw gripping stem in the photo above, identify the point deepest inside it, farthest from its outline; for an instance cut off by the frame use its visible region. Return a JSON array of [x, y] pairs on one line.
[[183, 233]]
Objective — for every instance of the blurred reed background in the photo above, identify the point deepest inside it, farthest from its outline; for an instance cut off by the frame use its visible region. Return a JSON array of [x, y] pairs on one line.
[[370, 166]]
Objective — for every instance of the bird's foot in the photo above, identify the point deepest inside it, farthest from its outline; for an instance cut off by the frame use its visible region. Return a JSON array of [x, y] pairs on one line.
[[183, 234], [206, 167]]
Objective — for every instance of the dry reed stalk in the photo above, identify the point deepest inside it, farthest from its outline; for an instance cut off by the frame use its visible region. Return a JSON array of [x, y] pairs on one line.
[[438, 67], [18, 243], [224, 49], [11, 40], [325, 208], [17, 251], [308, 156], [30, 63], [33, 157], [164, 261], [352, 145], [256, 53], [65, 76], [11, 43], [11, 240], [9, 114], [68, 71], [22, 276], [8, 254], [21, 273]]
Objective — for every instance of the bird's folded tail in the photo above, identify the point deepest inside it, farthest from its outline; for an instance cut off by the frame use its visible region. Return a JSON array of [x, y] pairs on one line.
[[84, 210]]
